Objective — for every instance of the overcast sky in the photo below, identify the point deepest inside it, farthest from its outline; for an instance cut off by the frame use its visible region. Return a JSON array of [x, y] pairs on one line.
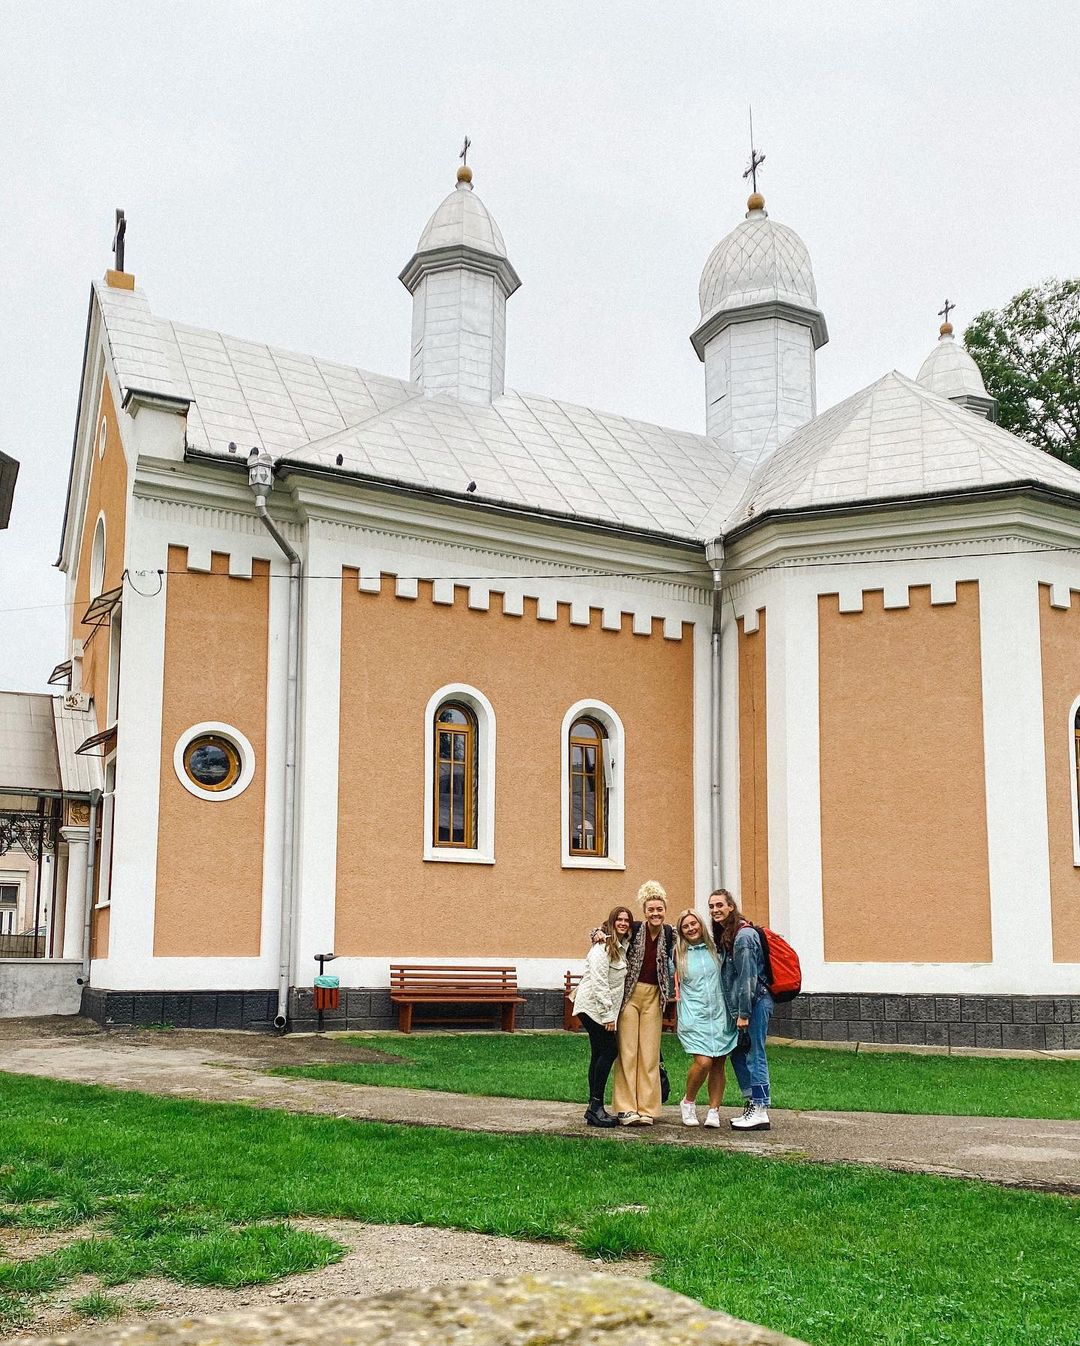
[[277, 162]]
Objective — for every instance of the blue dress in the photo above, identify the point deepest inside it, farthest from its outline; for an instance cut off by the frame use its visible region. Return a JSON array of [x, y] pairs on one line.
[[705, 1027]]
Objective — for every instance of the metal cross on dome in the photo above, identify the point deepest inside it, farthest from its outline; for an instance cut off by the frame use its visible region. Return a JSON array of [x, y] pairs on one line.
[[464, 155], [756, 160], [944, 312], [118, 239]]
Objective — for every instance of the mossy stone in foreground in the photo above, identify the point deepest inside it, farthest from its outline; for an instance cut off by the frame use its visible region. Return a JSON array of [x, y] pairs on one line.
[[594, 1310]]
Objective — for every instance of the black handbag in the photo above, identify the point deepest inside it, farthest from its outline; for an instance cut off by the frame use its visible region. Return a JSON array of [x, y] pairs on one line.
[[665, 1083]]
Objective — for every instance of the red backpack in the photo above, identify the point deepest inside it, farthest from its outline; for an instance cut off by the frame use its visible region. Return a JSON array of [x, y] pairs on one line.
[[783, 975]]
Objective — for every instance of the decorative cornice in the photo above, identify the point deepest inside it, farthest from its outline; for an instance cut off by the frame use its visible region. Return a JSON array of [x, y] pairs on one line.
[[721, 318], [459, 256]]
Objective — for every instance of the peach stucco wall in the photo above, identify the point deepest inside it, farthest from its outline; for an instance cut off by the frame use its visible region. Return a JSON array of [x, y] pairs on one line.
[[1060, 635], [210, 853], [753, 775], [107, 494], [905, 873], [395, 653]]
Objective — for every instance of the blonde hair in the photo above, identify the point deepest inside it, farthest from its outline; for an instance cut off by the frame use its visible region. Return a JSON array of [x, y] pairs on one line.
[[682, 943], [651, 891]]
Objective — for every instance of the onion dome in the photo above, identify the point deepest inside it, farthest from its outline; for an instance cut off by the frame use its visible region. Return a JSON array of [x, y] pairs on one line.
[[759, 263], [950, 372], [462, 231]]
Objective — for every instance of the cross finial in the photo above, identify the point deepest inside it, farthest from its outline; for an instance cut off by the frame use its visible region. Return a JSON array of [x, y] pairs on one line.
[[756, 160], [118, 239], [464, 155], [944, 312]]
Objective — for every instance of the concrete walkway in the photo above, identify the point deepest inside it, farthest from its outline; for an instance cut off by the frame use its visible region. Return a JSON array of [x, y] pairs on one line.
[[1014, 1152]]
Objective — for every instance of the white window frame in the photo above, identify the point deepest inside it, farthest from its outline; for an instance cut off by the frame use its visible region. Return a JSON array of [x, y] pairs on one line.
[[243, 746], [483, 853], [17, 879], [614, 774], [1072, 782]]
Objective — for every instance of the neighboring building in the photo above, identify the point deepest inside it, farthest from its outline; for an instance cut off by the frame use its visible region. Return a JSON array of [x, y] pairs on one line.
[[546, 652]]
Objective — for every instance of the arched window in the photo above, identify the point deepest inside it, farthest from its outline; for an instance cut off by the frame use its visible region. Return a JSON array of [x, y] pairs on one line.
[[593, 756], [97, 559], [454, 786], [588, 788], [1074, 777]]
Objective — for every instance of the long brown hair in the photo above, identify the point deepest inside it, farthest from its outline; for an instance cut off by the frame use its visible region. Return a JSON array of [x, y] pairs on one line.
[[614, 948], [729, 926]]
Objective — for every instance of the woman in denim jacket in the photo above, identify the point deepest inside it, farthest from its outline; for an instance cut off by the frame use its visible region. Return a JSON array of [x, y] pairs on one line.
[[742, 973]]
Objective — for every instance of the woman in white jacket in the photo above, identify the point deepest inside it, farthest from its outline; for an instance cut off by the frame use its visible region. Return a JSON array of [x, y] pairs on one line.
[[597, 1003]]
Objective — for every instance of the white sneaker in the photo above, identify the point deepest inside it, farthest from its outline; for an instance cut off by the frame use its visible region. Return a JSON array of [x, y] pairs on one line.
[[643, 1119], [755, 1117], [628, 1118], [689, 1113], [712, 1117]]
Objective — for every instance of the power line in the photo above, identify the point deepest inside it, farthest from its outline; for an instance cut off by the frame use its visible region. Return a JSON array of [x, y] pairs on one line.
[[780, 567]]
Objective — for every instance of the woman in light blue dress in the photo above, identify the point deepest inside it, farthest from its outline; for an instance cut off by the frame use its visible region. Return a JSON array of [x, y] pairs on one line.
[[705, 1028]]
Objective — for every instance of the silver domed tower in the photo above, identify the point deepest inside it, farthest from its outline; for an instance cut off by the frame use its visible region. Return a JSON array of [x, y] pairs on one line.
[[760, 327], [951, 372], [460, 279]]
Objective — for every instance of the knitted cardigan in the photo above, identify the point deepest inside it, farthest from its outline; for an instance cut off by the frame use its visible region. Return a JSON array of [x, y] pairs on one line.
[[665, 954]]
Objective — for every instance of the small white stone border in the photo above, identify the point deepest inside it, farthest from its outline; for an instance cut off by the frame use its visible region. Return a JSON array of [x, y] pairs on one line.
[[237, 739]]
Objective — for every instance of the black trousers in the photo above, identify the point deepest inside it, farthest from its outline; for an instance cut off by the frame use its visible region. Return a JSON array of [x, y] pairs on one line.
[[603, 1050]]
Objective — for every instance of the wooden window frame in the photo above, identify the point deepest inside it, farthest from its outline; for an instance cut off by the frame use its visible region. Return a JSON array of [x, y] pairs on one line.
[[599, 744], [469, 732]]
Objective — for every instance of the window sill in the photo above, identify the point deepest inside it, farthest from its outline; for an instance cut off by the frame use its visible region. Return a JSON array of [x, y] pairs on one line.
[[452, 857], [102, 906], [591, 862]]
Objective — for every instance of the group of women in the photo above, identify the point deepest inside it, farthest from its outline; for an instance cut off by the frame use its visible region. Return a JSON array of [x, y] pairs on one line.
[[717, 977]]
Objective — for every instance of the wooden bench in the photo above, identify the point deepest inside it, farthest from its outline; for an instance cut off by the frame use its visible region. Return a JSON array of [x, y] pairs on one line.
[[413, 984], [572, 1023]]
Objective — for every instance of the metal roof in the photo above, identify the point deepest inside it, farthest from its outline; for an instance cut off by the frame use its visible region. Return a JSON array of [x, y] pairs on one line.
[[27, 743], [895, 440], [38, 738], [522, 450], [78, 774]]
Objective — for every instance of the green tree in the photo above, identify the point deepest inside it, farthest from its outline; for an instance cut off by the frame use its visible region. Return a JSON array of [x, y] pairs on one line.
[[1029, 355]]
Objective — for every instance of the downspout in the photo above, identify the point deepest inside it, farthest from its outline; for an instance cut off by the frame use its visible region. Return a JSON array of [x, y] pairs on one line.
[[714, 552], [261, 481], [91, 867]]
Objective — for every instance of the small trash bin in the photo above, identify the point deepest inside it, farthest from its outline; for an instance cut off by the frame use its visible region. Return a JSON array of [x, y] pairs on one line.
[[327, 992]]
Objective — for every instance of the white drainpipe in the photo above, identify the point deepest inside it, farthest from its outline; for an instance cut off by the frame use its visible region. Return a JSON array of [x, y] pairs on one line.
[[714, 552], [261, 481]]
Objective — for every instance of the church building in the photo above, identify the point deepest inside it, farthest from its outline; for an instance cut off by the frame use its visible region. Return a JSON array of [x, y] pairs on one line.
[[425, 669]]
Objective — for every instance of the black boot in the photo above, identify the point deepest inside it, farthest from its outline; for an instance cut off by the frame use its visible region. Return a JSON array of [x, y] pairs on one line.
[[596, 1115]]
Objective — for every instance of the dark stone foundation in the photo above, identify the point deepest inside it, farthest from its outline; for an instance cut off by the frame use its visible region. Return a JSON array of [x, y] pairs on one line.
[[1041, 1023]]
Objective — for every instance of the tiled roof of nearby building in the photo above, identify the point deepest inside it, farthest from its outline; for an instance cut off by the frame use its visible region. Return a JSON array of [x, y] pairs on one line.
[[895, 440]]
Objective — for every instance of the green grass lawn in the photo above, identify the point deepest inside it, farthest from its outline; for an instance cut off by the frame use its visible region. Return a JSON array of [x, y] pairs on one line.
[[838, 1256], [552, 1066]]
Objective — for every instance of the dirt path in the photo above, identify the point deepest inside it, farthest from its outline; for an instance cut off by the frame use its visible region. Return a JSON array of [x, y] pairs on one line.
[[381, 1258], [228, 1067]]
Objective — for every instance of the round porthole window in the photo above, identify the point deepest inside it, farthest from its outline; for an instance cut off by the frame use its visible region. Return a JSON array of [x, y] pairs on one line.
[[214, 761], [102, 438]]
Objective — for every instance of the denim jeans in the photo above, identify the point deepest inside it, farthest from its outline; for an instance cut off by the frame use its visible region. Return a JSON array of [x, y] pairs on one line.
[[751, 1068]]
